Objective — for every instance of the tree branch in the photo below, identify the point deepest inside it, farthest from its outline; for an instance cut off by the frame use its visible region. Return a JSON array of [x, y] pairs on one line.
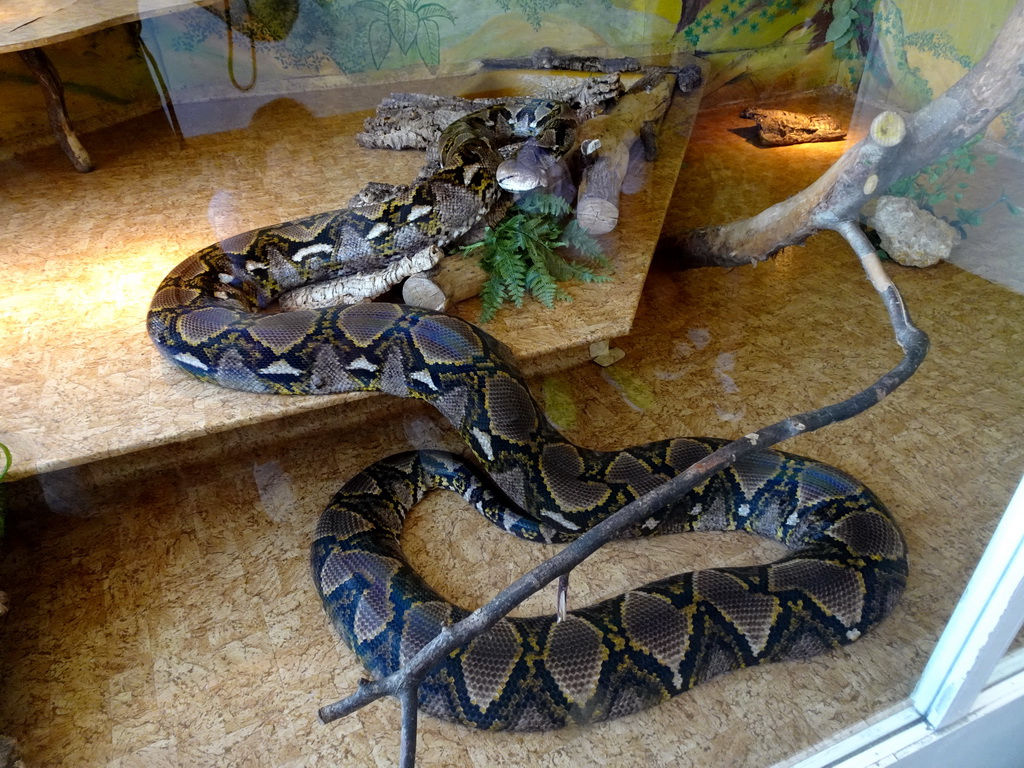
[[404, 682], [872, 165], [833, 202], [410, 713]]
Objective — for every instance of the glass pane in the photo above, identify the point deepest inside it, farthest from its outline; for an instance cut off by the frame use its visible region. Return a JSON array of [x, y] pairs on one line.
[[160, 608]]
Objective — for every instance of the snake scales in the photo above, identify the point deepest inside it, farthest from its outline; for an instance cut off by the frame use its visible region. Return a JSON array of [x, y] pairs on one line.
[[848, 562]]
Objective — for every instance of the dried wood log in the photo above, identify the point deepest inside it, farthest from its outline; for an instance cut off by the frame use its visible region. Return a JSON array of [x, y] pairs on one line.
[[779, 128], [605, 142], [449, 282]]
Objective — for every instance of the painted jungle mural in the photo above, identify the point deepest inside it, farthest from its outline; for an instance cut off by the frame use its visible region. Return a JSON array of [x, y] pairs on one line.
[[904, 50]]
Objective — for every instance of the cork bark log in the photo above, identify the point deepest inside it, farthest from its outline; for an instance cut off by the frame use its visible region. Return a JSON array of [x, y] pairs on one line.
[[449, 282], [779, 128]]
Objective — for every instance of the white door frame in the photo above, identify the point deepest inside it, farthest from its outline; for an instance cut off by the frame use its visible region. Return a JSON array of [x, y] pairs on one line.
[[969, 702]]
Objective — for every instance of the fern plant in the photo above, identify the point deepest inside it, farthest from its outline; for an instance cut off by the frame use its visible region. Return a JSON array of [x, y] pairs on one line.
[[526, 254]]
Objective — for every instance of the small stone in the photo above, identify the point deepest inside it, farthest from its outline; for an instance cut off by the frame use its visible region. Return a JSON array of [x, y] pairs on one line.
[[911, 236], [10, 756]]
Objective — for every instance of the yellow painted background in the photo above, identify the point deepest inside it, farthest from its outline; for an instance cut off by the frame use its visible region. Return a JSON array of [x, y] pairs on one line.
[[755, 48]]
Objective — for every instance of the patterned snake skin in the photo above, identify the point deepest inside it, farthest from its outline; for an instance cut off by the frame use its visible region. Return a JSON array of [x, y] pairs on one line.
[[848, 563]]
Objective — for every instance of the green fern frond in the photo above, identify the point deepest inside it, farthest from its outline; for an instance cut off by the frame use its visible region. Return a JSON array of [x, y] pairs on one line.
[[492, 296], [524, 254], [552, 206], [584, 243]]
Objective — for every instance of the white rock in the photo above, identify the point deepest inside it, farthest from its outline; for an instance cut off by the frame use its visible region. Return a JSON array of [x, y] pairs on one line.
[[912, 237]]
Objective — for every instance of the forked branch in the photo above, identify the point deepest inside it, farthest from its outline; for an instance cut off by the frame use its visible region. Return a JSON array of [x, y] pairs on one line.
[[403, 684], [895, 148], [834, 202]]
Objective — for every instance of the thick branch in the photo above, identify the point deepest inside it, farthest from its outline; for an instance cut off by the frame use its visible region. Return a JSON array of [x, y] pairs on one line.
[[854, 176], [53, 92], [869, 168]]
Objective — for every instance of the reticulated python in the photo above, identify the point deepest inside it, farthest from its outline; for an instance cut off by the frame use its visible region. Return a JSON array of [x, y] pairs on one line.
[[847, 569]]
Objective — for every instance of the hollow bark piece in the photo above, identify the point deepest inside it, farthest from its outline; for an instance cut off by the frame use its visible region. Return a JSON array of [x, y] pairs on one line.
[[779, 128], [605, 142]]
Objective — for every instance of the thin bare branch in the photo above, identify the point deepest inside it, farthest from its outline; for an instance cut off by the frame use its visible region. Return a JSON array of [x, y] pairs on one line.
[[410, 713], [833, 202], [914, 344]]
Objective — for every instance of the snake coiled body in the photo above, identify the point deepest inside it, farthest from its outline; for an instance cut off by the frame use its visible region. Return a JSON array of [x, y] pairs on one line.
[[847, 569]]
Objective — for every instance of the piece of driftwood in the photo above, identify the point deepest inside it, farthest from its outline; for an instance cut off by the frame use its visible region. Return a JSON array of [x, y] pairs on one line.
[[871, 166], [779, 128], [855, 176], [605, 142]]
